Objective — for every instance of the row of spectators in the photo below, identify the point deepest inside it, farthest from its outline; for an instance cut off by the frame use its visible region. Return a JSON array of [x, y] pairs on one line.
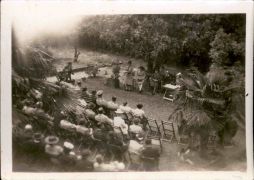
[[101, 135]]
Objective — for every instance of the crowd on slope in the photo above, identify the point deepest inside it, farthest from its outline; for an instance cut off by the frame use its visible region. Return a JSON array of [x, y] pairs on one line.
[[100, 135]]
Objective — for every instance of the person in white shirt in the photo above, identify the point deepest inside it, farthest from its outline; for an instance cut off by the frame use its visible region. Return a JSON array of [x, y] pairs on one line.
[[112, 105], [119, 122], [101, 118], [135, 128], [125, 108], [139, 112], [100, 101]]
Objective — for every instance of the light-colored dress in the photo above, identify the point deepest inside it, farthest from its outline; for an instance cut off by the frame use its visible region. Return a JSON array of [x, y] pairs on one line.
[[129, 76]]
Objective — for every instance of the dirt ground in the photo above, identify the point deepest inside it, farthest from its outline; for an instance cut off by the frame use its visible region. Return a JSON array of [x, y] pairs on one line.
[[154, 107]]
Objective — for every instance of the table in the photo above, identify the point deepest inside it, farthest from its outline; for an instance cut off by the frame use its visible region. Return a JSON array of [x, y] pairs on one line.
[[169, 92]]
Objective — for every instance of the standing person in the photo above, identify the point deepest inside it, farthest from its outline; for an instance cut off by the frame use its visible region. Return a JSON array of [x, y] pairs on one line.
[[68, 70], [129, 77], [141, 75], [116, 72], [154, 82], [95, 70], [76, 54], [162, 77]]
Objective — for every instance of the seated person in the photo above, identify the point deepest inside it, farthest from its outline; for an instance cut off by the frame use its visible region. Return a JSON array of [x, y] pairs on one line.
[[51, 147], [99, 134], [103, 119], [86, 95], [135, 128], [150, 156], [67, 125], [68, 158], [119, 122], [38, 144], [82, 129], [100, 101], [120, 113], [90, 112], [112, 105], [37, 111], [125, 108], [139, 112]]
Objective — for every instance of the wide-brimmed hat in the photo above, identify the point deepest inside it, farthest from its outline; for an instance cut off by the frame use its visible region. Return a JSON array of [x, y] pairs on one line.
[[68, 145], [119, 111], [37, 137], [100, 92], [51, 140]]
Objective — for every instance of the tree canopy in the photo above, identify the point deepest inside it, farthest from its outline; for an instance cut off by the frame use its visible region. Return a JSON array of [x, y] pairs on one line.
[[182, 40]]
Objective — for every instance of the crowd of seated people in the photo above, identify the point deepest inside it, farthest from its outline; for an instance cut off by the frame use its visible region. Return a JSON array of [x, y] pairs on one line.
[[103, 136]]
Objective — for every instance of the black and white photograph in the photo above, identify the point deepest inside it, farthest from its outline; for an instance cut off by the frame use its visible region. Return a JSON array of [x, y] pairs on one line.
[[146, 92]]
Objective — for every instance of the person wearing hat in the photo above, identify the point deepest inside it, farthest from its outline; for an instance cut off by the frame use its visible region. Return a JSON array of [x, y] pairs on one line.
[[38, 144], [102, 118], [122, 114], [51, 147], [68, 157]]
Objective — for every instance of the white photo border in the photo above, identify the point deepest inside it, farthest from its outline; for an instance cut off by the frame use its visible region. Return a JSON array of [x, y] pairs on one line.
[[11, 8]]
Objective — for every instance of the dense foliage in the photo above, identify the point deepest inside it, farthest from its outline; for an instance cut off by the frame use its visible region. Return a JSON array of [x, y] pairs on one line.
[[181, 40]]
